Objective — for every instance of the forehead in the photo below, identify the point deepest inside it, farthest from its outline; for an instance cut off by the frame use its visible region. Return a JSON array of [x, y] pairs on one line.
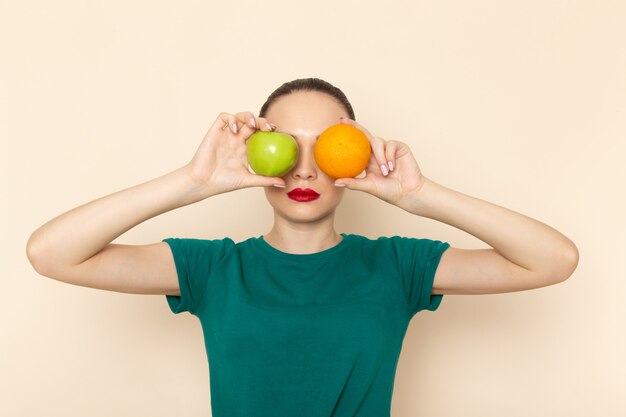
[[305, 113]]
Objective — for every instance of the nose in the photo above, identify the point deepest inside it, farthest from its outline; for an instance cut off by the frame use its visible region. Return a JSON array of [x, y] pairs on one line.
[[306, 167]]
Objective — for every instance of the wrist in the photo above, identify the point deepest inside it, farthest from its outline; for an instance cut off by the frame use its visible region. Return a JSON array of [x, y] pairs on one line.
[[416, 200], [195, 187]]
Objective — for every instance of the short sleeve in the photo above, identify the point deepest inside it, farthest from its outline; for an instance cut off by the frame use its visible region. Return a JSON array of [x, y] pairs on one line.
[[196, 261], [418, 260]]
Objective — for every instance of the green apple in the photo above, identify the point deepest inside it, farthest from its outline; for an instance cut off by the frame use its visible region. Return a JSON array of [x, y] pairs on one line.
[[271, 154]]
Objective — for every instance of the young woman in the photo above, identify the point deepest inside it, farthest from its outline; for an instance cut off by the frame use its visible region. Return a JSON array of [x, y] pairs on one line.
[[302, 321]]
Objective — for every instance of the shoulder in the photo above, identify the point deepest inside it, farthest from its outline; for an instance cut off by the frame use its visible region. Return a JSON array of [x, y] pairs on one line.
[[402, 249], [397, 242]]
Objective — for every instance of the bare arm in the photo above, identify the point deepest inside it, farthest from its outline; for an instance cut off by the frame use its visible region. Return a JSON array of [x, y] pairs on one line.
[[525, 253], [76, 247]]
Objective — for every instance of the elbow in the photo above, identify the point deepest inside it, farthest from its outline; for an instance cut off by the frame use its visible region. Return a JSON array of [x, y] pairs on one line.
[[567, 264], [573, 262], [35, 254]]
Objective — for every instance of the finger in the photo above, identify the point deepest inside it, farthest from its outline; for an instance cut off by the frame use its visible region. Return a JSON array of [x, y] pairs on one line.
[[378, 145], [254, 180], [222, 121], [359, 126], [228, 120], [356, 184], [246, 119], [247, 123], [390, 153], [265, 125], [346, 121]]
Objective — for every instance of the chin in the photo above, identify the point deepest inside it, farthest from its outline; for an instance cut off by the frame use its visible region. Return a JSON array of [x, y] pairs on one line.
[[303, 212], [303, 218]]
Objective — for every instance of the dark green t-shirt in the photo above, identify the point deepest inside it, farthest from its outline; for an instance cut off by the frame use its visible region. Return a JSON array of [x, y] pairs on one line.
[[311, 335]]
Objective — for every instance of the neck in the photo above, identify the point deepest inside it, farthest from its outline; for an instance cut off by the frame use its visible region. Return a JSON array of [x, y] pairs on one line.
[[302, 238]]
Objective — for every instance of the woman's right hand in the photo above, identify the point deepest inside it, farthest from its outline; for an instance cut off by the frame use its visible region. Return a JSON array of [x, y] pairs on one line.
[[76, 246], [220, 164]]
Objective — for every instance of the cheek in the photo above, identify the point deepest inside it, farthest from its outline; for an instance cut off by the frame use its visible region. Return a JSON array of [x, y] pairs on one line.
[[273, 193], [336, 193]]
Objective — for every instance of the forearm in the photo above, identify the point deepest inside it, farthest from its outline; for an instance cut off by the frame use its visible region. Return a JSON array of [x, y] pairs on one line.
[[522, 240], [80, 233]]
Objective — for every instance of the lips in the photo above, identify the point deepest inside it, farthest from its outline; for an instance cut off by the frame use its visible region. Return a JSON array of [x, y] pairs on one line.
[[299, 194]]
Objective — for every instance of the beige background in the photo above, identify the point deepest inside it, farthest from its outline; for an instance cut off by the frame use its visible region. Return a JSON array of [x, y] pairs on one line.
[[519, 103]]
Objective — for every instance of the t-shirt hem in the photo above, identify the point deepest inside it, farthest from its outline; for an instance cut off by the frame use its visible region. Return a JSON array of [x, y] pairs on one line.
[[183, 302], [434, 300]]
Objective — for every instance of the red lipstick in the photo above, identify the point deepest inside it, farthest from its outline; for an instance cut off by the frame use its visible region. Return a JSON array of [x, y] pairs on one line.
[[298, 194]]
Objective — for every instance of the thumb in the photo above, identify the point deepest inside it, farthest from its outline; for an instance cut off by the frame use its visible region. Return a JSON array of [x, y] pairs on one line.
[[353, 184], [262, 181]]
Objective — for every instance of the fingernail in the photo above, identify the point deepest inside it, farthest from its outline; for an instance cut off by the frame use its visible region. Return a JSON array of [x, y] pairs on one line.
[[383, 168], [279, 185], [235, 127], [268, 126], [252, 122], [340, 185], [390, 166]]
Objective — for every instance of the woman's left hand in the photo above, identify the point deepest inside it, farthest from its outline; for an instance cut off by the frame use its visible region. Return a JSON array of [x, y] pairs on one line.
[[392, 173]]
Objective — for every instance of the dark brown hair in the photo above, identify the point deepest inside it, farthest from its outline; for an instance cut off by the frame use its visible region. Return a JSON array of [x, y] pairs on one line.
[[308, 84]]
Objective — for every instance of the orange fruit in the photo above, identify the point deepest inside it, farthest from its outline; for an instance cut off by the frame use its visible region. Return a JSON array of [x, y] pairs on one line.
[[342, 151]]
